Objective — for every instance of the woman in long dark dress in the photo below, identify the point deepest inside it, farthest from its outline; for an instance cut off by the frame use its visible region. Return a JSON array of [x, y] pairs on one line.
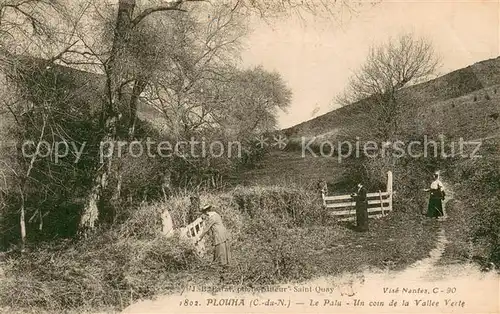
[[435, 208], [361, 208]]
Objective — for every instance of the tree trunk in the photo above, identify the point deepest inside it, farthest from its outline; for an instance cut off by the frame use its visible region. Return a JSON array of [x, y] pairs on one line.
[[114, 77], [137, 90], [139, 87], [118, 190], [40, 224]]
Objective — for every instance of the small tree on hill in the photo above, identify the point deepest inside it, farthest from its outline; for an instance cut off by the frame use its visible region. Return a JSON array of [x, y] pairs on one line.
[[388, 68]]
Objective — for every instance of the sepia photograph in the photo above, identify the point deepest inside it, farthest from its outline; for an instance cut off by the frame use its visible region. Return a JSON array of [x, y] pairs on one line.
[[249, 156]]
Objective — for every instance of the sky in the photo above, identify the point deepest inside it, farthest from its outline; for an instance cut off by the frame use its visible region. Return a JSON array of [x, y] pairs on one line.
[[316, 56]]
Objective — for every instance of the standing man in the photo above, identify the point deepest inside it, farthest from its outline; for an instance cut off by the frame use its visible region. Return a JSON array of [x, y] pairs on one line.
[[213, 222], [361, 208]]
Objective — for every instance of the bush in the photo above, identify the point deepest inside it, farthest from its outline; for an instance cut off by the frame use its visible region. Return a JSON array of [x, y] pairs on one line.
[[271, 252], [178, 208], [478, 193], [109, 269], [486, 233], [297, 206], [143, 223], [294, 206]]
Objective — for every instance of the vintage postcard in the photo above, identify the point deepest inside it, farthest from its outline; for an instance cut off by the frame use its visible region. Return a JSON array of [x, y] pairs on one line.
[[249, 156]]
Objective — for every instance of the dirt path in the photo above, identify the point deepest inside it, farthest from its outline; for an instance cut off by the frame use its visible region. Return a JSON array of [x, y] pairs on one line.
[[426, 268]]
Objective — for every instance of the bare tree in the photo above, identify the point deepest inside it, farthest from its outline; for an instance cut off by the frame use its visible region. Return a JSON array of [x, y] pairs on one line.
[[128, 18], [127, 77], [253, 98], [28, 27], [133, 61], [389, 67], [200, 56]]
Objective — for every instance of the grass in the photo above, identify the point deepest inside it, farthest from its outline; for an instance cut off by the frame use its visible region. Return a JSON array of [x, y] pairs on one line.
[[276, 239], [388, 244], [279, 231], [458, 250], [463, 103], [474, 214], [290, 168]]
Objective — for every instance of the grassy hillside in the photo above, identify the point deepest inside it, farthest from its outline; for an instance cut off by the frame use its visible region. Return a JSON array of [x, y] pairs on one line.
[[291, 168], [462, 103], [475, 210]]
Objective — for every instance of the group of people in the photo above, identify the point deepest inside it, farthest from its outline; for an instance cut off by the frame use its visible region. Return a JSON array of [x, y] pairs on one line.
[[222, 249], [434, 209]]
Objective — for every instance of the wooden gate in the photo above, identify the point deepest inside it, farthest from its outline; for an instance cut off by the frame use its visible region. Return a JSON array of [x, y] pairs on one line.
[[343, 206], [192, 232]]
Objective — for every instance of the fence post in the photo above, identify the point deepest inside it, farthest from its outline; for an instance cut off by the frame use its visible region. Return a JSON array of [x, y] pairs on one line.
[[389, 188], [323, 188], [167, 224], [381, 202]]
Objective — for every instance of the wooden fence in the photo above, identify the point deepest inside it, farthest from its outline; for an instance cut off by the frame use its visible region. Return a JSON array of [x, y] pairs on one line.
[[193, 231], [343, 206]]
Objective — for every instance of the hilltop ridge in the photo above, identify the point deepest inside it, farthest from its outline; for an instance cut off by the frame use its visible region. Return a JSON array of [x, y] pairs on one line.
[[447, 105]]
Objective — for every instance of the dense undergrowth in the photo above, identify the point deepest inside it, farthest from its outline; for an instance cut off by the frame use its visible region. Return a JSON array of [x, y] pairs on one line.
[[474, 214], [134, 260], [278, 235]]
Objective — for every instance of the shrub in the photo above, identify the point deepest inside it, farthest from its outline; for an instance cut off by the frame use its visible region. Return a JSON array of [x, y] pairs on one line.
[[143, 223], [109, 269], [178, 207], [270, 252], [478, 192], [486, 233], [294, 206]]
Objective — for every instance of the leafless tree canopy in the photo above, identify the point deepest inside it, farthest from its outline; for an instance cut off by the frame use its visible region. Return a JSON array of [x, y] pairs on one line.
[[397, 63], [391, 66], [180, 57]]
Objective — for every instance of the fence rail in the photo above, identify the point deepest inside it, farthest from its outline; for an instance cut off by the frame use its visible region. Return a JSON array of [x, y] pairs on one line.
[[194, 229], [192, 233], [343, 206]]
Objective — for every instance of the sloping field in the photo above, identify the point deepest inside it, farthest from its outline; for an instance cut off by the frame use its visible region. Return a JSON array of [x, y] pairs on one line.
[[292, 168], [463, 103]]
